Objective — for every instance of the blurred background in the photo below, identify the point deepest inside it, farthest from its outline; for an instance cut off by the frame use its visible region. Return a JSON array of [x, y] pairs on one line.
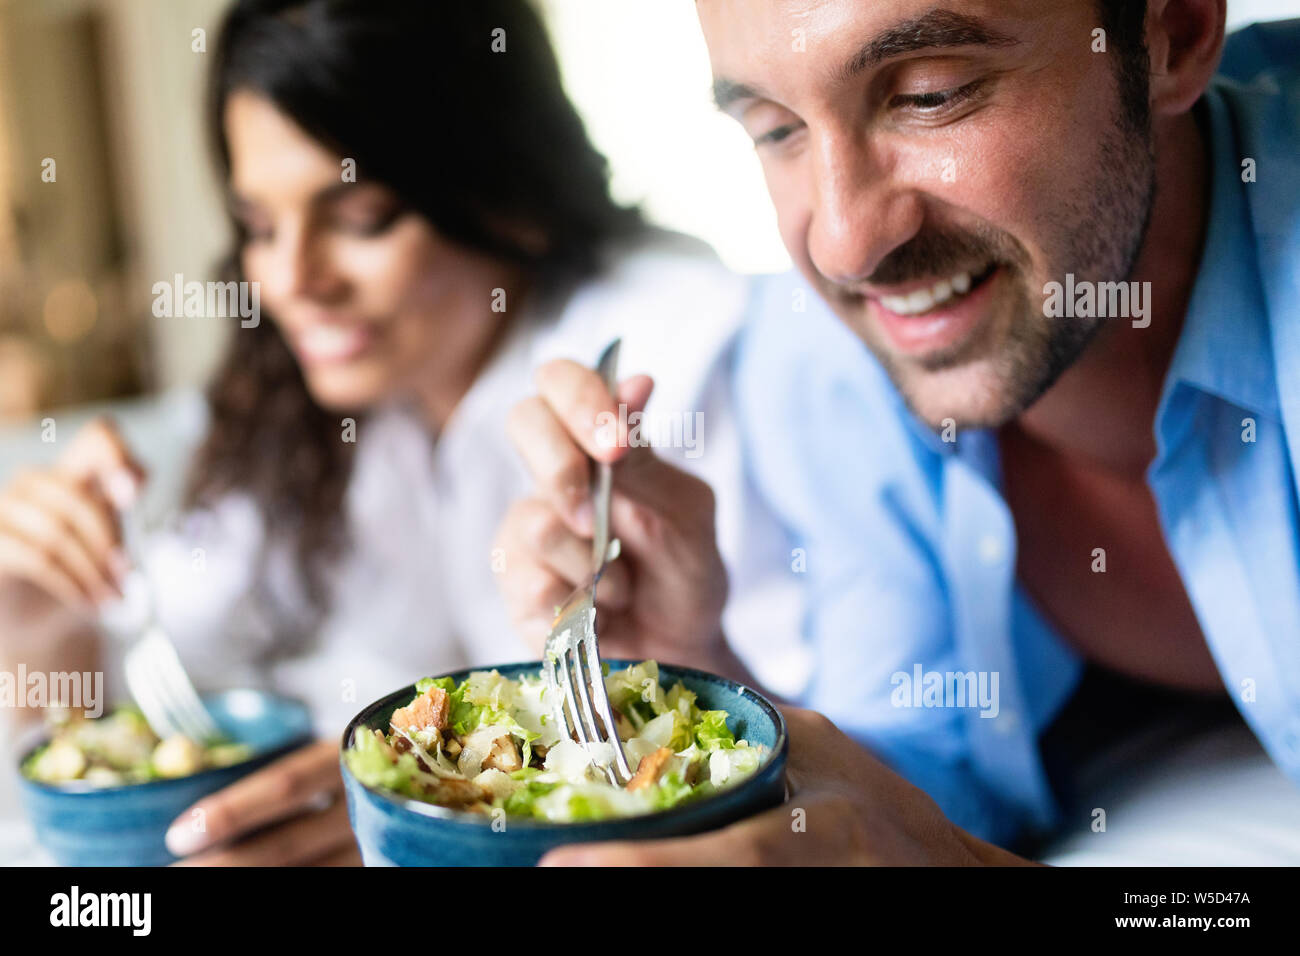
[[111, 91]]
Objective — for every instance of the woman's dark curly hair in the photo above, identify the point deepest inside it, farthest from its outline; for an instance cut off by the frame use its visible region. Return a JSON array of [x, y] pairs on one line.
[[455, 105]]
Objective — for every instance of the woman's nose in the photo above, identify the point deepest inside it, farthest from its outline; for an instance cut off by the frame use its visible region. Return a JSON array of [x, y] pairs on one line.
[[301, 266]]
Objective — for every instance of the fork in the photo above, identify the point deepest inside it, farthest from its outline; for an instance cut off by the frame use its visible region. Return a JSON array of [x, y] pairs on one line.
[[575, 682], [154, 674]]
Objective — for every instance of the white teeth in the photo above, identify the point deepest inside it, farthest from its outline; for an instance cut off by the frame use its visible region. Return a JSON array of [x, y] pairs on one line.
[[923, 300], [330, 342], [920, 301]]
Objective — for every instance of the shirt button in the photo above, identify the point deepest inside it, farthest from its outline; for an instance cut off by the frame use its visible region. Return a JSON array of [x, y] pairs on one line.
[[991, 550]]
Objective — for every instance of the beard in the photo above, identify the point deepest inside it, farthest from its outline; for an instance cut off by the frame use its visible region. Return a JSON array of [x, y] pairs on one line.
[[1095, 231]]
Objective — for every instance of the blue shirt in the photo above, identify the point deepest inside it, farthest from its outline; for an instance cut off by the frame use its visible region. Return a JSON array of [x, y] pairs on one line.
[[909, 547]]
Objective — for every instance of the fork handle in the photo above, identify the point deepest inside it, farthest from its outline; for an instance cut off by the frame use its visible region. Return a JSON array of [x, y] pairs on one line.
[[603, 482]]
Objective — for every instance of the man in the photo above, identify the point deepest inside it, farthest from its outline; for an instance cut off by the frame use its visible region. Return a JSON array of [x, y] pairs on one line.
[[1078, 508]]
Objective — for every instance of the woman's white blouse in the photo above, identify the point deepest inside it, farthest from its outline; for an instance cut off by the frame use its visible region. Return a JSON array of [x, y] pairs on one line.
[[415, 593]]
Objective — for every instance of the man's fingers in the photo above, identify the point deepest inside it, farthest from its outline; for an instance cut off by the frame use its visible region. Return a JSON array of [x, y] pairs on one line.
[[281, 789], [554, 459], [583, 405], [533, 590], [298, 842], [533, 529], [350, 855], [810, 828], [737, 845]]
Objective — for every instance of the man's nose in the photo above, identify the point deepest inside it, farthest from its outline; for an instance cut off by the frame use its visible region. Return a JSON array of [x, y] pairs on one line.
[[860, 213]]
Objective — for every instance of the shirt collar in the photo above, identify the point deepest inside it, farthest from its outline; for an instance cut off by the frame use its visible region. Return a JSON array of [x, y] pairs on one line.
[[1224, 349]]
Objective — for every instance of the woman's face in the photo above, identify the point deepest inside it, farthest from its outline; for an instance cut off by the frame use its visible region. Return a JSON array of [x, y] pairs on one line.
[[371, 299]]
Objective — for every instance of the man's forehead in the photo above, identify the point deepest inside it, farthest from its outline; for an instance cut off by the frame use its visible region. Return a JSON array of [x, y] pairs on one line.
[[748, 38]]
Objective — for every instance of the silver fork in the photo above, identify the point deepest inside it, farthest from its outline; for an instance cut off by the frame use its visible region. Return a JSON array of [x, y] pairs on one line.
[[571, 663], [154, 674]]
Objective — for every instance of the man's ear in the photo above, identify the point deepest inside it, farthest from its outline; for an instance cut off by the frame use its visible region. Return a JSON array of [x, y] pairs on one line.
[[1185, 41]]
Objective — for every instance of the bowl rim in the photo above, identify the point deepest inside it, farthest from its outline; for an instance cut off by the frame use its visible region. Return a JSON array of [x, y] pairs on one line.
[[434, 811], [72, 789]]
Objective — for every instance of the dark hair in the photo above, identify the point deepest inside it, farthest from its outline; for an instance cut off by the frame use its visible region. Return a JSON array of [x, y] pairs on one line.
[[1125, 24], [482, 143]]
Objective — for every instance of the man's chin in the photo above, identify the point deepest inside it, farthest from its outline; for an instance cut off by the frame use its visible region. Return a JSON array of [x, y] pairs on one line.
[[968, 396]]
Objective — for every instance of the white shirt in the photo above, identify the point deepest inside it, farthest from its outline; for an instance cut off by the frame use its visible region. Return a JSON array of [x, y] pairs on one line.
[[415, 593]]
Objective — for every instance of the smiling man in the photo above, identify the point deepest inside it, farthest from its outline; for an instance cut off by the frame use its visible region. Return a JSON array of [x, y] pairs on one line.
[[1094, 513]]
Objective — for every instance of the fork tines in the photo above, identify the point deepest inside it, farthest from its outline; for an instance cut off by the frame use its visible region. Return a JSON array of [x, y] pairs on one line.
[[577, 686]]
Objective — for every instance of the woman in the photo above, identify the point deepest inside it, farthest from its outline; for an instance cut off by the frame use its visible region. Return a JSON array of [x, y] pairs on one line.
[[427, 223]]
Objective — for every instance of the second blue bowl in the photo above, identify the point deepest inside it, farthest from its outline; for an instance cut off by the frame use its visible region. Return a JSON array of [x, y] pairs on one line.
[[126, 826]]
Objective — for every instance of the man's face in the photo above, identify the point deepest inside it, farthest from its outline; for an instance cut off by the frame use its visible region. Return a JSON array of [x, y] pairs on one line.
[[934, 164]]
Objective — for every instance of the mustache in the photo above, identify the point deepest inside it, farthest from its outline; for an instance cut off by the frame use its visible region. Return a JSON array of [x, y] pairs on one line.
[[944, 252]]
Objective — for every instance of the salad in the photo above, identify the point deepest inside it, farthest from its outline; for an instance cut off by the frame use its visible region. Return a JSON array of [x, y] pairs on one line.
[[490, 744], [120, 749]]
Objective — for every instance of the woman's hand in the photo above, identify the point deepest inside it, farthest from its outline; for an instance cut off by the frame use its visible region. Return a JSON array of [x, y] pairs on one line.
[[663, 597], [59, 527], [846, 808], [289, 813]]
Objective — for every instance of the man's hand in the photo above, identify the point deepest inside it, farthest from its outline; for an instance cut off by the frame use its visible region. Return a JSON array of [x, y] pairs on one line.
[[289, 813], [663, 597], [846, 808]]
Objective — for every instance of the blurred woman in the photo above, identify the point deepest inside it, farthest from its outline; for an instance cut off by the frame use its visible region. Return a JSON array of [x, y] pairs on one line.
[[427, 222]]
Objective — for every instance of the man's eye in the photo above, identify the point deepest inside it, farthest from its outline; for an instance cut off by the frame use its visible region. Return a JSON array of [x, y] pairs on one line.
[[777, 135], [935, 101]]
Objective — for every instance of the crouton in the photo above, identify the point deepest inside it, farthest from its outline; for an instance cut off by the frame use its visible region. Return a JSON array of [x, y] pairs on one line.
[[428, 710], [649, 769]]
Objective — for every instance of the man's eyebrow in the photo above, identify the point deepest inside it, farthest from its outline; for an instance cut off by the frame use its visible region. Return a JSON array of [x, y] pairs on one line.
[[936, 29], [727, 93]]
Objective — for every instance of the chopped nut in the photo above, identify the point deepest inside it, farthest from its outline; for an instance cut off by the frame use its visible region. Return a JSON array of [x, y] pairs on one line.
[[504, 755]]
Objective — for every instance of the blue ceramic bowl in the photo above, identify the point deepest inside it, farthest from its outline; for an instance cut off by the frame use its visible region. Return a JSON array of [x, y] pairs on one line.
[[393, 830], [125, 826]]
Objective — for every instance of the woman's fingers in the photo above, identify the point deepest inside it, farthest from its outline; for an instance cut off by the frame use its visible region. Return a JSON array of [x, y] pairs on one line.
[[82, 514], [99, 452], [301, 841], [22, 560], [284, 788], [51, 537]]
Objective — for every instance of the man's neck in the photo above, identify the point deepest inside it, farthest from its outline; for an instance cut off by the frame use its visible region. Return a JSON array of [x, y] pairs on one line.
[[1102, 408]]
